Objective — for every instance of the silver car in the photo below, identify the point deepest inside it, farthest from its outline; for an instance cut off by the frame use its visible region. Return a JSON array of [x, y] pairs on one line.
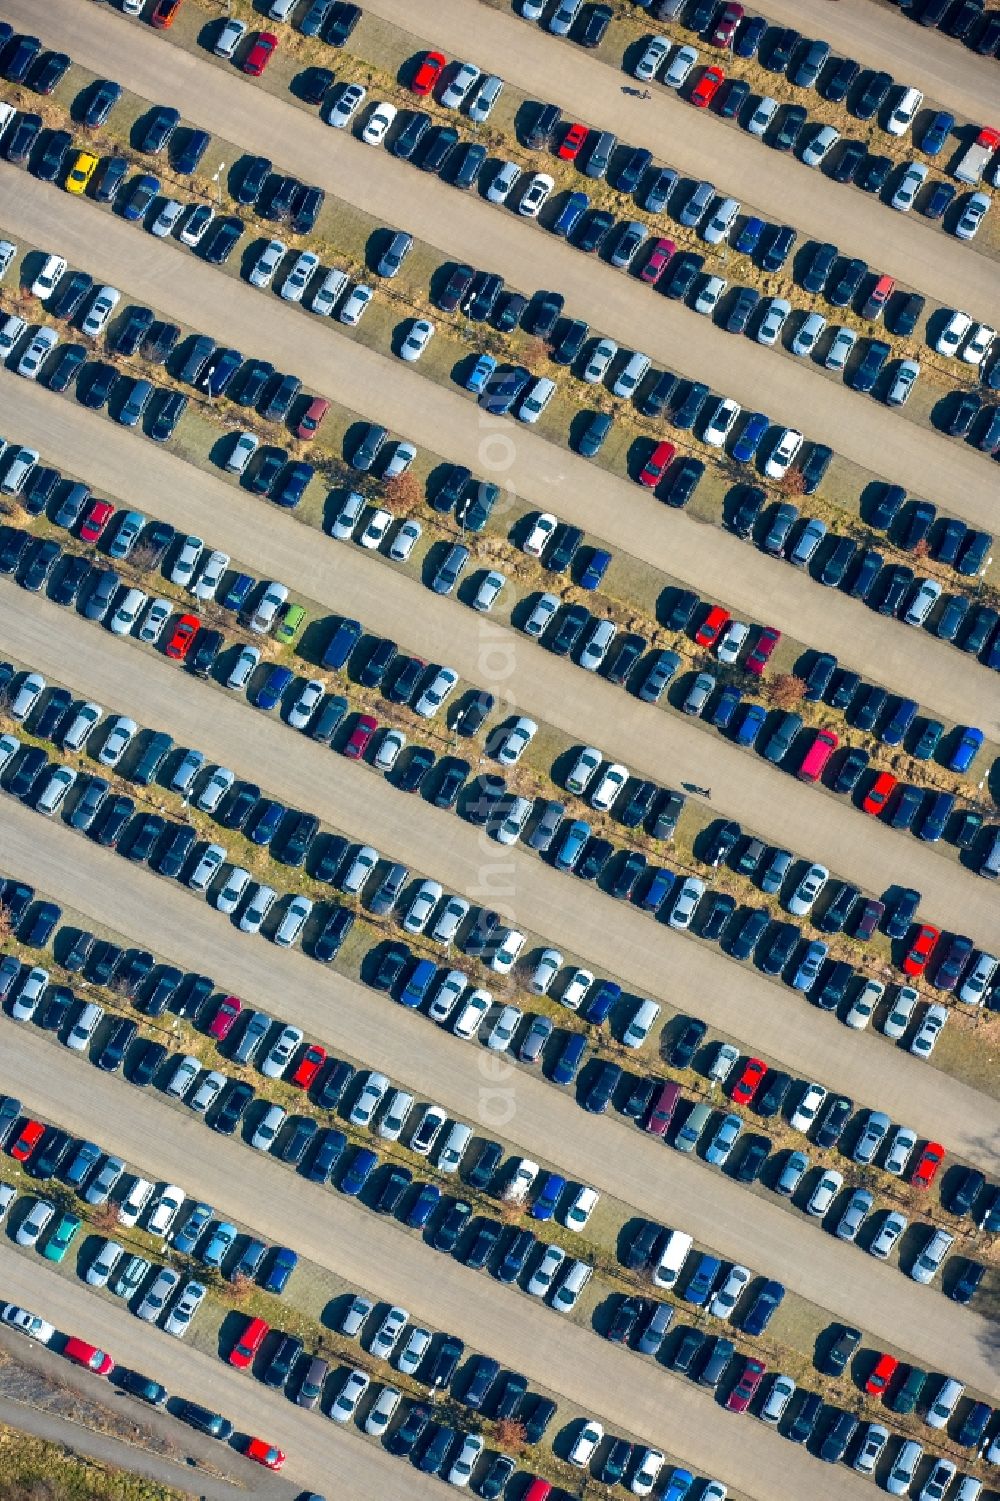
[[368, 1101], [179, 1318], [345, 1404], [387, 1335], [690, 894], [889, 1232], [267, 263], [859, 1206], [155, 1300], [270, 1124]]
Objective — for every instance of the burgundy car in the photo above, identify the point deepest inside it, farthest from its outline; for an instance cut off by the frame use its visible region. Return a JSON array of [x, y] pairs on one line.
[[726, 22], [761, 654], [361, 735], [742, 1394]]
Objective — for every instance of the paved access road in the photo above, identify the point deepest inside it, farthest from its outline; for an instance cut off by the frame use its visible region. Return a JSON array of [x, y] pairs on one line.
[[650, 957], [880, 36], [668, 747], [446, 422], [543, 1122], [605, 1380], [699, 143], [315, 1448], [468, 228]]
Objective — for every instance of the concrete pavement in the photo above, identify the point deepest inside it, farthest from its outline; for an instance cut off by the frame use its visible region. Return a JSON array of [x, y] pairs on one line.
[[543, 1122], [666, 746], [447, 423], [466, 227], [651, 958], [596, 1376]]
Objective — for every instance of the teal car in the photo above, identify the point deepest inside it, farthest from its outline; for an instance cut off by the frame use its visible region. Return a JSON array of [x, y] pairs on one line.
[[62, 1237], [480, 373]]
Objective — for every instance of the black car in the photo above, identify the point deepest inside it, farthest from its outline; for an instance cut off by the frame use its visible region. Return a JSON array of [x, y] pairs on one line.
[[871, 94], [340, 21], [776, 253], [903, 312], [115, 813], [836, 1113], [837, 78], [48, 164], [222, 240], [46, 1160], [841, 1349], [160, 342], [867, 372], [814, 467], [169, 412], [18, 55], [741, 309], [751, 1164], [872, 175], [19, 140], [47, 71], [186, 155], [687, 1350], [156, 128], [279, 1367], [801, 1429], [788, 131], [94, 388], [111, 1055], [455, 288], [252, 177]]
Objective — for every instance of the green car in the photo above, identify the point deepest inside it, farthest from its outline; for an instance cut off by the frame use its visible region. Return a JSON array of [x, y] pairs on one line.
[[291, 622], [62, 1237]]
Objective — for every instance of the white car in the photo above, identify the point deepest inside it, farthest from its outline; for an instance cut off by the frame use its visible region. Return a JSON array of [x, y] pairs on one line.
[[610, 783], [210, 575], [357, 1313], [535, 195], [511, 743], [691, 891], [763, 114], [500, 1035], [209, 864], [381, 1413], [580, 1207], [267, 263], [268, 1127], [389, 747], [165, 1210], [447, 995], [930, 1028], [773, 321], [31, 688], [208, 1091], [427, 1130], [279, 1055], [465, 1461], [344, 105], [978, 978], [229, 38], [590, 1434], [394, 1116], [197, 224], [121, 731], [168, 216], [45, 282], [545, 971], [732, 642], [472, 1013], [461, 86], [417, 340], [843, 341], [417, 1344], [179, 1318], [575, 989], [583, 770], [860, 1013], [345, 1404], [449, 919], [34, 1223], [405, 540], [508, 951], [489, 591], [953, 333], [378, 123], [541, 530], [34, 356], [979, 344], [683, 60], [485, 101], [186, 561], [372, 1094], [157, 615], [215, 789], [106, 299], [807, 335], [546, 1271], [375, 528], [737, 1280], [800, 902], [707, 299], [387, 1335], [8, 250], [809, 1106], [430, 701], [124, 617], [297, 280], [646, 1472], [422, 904], [80, 726], [244, 667], [824, 1193], [301, 710], [400, 460], [718, 427], [910, 184], [820, 144], [271, 601], [28, 1323], [648, 65], [900, 1150], [503, 182], [360, 869], [354, 304], [783, 453], [600, 359]]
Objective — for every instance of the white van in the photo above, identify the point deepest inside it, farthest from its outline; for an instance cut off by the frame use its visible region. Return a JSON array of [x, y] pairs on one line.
[[672, 1257], [83, 1029], [135, 1201], [641, 1024], [454, 1148]]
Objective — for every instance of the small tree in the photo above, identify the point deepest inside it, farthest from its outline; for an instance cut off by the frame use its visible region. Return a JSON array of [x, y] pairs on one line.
[[921, 549], [534, 354], [786, 690], [6, 925], [794, 483], [105, 1218], [403, 492], [510, 1434], [238, 1288]]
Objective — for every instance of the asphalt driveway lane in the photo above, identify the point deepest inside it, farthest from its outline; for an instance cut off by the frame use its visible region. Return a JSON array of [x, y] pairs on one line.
[[462, 226]]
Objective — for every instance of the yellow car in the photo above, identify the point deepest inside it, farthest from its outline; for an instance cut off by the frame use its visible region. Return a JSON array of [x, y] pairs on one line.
[[81, 172]]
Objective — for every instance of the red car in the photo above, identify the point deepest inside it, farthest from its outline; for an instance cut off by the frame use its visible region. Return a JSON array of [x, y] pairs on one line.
[[885, 1368], [246, 1347], [260, 53], [928, 1163], [742, 1394], [184, 633], [572, 141], [362, 733], [226, 1013], [656, 465], [748, 1083], [265, 1453], [429, 72], [761, 654], [707, 87], [164, 13], [312, 417], [662, 253], [712, 626], [921, 949], [726, 22], [310, 1063], [31, 1134], [90, 1356], [95, 519], [879, 793]]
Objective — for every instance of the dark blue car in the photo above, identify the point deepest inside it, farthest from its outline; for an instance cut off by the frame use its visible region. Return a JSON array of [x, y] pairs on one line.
[[567, 1064], [360, 1169], [548, 1197], [751, 434], [419, 983], [423, 1205], [750, 725], [139, 195], [282, 1265], [594, 569], [273, 686], [700, 1284]]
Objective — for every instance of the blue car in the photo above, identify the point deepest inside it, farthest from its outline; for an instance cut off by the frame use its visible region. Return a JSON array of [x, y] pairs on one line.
[[899, 722], [424, 1205], [239, 591], [749, 236], [934, 137], [480, 373], [572, 211], [751, 724], [567, 1063], [273, 686], [751, 434], [283, 1264], [966, 750], [600, 1000], [594, 569], [654, 892], [361, 1167], [678, 1485], [729, 701], [419, 983], [544, 1206], [139, 195], [700, 1284], [763, 1308], [810, 965]]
